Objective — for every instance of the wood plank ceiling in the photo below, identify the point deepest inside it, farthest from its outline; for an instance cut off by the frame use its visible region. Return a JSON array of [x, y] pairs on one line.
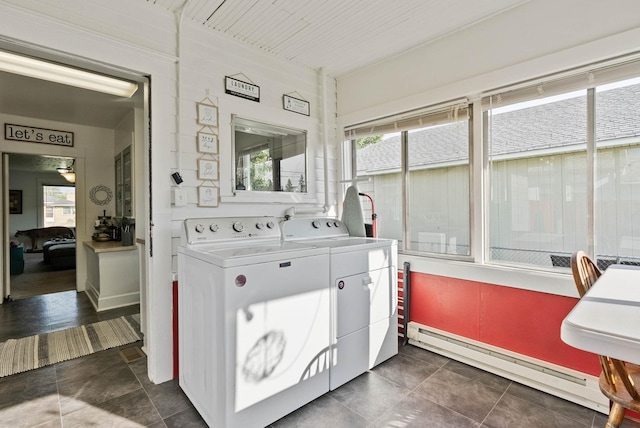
[[340, 36]]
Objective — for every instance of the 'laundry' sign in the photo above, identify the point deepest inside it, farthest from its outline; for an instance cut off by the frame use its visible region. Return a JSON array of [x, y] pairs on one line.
[[30, 134], [242, 89]]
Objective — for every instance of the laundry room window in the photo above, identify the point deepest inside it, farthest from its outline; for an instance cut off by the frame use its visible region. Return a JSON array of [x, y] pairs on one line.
[[438, 191], [563, 156], [417, 168], [269, 157], [378, 175]]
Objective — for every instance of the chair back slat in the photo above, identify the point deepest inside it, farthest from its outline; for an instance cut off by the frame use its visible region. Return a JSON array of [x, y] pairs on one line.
[[585, 272]]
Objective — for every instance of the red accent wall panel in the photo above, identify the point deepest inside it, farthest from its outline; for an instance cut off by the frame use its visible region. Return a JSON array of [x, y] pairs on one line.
[[522, 321], [446, 303], [175, 330]]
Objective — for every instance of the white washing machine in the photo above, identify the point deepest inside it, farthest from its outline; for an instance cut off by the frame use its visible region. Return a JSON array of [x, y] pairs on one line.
[[254, 321], [364, 293]]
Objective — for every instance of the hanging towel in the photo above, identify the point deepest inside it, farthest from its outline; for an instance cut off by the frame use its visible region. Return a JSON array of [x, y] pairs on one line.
[[352, 213]]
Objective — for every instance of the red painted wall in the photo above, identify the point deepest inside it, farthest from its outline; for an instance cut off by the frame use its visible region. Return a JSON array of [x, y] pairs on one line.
[[176, 362], [522, 321]]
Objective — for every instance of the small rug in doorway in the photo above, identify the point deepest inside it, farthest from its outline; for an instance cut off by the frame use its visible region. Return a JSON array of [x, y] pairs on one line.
[[28, 353]]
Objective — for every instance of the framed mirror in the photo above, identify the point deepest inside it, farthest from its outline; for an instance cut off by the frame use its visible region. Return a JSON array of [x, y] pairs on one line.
[[269, 158]]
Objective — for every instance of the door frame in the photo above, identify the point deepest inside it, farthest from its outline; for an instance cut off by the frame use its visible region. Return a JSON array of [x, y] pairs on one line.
[[6, 233]]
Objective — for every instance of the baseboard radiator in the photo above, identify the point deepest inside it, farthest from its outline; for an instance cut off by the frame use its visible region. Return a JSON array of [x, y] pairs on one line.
[[556, 380]]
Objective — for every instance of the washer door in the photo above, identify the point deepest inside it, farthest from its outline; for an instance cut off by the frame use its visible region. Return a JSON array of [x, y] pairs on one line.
[[353, 295], [280, 313], [362, 300]]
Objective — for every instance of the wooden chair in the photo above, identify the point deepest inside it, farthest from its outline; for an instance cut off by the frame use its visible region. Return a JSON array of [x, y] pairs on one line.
[[585, 272], [619, 380]]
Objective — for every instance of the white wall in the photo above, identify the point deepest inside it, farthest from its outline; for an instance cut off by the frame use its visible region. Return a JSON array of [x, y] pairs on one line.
[[131, 37], [124, 133], [536, 38], [139, 37], [28, 183], [529, 41], [205, 61], [91, 147]]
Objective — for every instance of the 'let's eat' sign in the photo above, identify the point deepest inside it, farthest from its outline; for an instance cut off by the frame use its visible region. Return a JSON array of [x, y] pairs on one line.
[[30, 134]]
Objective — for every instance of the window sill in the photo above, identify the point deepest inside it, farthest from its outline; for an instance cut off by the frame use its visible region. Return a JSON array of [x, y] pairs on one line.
[[527, 279]]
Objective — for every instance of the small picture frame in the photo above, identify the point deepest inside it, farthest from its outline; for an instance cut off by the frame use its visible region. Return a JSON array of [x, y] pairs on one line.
[[208, 169], [207, 115], [296, 105], [208, 196], [207, 143], [15, 201]]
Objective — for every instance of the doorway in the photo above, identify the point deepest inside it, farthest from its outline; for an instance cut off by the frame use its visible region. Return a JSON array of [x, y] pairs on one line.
[[96, 126], [42, 225]]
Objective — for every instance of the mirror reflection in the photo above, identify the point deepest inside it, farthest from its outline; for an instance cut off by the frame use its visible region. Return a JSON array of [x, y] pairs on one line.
[[269, 157]]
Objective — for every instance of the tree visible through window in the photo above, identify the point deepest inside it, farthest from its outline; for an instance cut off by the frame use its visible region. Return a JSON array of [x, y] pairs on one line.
[[269, 157]]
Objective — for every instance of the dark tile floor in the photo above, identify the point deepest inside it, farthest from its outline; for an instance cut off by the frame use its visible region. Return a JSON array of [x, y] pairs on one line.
[[416, 388]]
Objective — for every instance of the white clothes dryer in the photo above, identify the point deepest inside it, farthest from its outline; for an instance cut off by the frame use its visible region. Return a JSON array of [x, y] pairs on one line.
[[254, 321], [364, 295]]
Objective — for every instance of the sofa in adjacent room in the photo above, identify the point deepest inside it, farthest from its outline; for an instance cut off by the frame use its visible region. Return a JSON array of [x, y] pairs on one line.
[[60, 253]]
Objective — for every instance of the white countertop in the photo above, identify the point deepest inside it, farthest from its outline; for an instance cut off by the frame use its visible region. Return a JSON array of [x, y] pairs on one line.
[[108, 246], [606, 321]]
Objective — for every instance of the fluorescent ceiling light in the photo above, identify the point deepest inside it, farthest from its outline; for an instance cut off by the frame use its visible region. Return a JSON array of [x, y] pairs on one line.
[[66, 75]]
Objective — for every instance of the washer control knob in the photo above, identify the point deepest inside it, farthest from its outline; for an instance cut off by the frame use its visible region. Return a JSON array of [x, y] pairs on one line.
[[259, 226], [238, 227], [199, 228], [213, 227], [270, 225], [315, 224], [329, 224], [241, 280], [336, 224]]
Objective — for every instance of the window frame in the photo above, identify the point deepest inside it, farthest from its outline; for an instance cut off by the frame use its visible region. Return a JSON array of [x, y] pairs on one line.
[[562, 84], [238, 121], [419, 119], [43, 207], [587, 77]]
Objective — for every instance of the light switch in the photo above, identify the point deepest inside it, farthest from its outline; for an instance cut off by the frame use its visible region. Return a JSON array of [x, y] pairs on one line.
[[179, 197]]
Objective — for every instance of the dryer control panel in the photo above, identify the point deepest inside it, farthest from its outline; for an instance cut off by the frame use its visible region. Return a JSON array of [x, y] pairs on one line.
[[310, 228], [220, 229]]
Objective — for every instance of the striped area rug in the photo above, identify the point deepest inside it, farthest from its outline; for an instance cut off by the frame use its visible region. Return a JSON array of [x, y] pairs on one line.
[[28, 353]]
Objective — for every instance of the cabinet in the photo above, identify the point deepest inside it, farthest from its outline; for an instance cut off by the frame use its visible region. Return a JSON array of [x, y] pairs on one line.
[[113, 278], [124, 187]]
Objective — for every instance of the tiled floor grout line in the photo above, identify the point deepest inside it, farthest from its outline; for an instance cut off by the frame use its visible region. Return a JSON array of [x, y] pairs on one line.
[[442, 367], [496, 404], [146, 393]]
